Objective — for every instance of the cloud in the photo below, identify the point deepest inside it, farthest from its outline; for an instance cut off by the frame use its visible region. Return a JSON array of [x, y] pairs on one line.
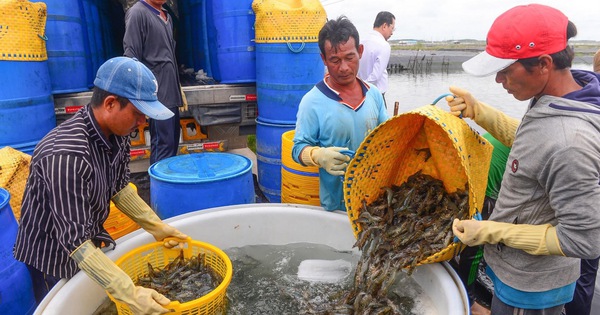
[[457, 19]]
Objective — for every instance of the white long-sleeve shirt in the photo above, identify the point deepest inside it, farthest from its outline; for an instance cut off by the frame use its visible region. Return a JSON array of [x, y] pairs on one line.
[[374, 60]]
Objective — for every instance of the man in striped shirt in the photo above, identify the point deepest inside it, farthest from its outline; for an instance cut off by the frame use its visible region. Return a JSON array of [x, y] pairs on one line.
[[76, 169]]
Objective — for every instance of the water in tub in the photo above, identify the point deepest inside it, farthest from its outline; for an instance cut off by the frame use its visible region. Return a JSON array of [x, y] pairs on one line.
[[302, 278]]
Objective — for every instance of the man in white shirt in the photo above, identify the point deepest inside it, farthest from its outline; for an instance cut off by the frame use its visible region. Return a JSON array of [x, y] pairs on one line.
[[376, 54]]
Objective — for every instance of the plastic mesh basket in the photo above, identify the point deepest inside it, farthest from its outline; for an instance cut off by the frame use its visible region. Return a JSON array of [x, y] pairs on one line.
[[22, 27], [284, 21], [135, 264], [392, 152]]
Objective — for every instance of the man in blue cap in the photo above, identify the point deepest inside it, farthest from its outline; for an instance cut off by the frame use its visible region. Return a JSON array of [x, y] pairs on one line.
[[76, 170]]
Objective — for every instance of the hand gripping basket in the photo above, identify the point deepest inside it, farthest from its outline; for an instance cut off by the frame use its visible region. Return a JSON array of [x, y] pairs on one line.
[[389, 155], [135, 264]]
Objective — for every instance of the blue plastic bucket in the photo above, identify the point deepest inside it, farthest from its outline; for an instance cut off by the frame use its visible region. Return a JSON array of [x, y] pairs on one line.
[[232, 27], [66, 46], [284, 73], [26, 104], [16, 290], [197, 181], [268, 157]]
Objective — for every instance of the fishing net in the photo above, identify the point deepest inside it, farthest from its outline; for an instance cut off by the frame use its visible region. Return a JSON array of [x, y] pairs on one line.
[[427, 139]]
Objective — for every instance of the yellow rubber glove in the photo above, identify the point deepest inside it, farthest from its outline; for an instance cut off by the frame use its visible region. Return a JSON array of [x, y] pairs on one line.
[[129, 202], [114, 280], [533, 239], [329, 158], [497, 123], [184, 106]]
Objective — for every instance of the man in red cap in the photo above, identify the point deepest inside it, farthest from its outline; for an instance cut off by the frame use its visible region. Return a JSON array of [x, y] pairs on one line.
[[546, 222]]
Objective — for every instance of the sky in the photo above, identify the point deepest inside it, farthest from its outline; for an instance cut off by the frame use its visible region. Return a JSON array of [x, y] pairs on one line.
[[435, 20]]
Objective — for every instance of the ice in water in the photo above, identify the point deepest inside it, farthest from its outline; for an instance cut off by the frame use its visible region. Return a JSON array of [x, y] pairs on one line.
[[321, 270], [293, 279]]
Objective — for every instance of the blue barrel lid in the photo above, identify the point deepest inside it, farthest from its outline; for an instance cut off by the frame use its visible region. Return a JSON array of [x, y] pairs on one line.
[[4, 197], [200, 167]]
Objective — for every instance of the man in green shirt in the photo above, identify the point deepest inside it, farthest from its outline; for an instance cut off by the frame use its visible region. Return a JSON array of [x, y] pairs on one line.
[[479, 286]]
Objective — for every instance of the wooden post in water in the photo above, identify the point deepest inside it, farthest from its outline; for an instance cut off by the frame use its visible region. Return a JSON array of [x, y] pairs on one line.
[[396, 104]]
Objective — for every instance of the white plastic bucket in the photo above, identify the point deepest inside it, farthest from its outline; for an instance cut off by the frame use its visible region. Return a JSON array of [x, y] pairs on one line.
[[255, 224]]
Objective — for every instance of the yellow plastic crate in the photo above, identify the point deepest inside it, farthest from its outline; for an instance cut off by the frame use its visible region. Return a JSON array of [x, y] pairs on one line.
[[118, 223]]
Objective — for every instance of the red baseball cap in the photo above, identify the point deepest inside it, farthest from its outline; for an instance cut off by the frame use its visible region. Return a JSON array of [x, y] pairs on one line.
[[524, 31]]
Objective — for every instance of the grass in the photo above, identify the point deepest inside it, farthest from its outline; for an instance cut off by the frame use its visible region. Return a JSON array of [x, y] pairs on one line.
[[252, 142]]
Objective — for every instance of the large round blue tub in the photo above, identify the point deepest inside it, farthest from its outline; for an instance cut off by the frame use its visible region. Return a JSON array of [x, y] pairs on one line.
[[191, 182]]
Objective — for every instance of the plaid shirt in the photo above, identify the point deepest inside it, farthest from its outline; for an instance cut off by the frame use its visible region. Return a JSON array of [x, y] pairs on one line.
[[75, 170]]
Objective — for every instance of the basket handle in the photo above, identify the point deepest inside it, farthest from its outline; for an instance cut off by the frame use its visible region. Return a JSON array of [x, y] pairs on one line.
[[296, 50], [442, 96]]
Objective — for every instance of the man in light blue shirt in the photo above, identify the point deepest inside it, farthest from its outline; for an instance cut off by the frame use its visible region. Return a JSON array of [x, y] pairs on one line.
[[337, 113]]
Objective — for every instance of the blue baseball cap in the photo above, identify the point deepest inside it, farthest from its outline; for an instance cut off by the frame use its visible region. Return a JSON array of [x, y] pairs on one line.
[[129, 78]]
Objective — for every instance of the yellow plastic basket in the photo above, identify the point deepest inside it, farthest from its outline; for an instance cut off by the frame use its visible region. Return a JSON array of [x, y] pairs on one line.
[[135, 264], [22, 30], [285, 21], [393, 151], [299, 184], [14, 170]]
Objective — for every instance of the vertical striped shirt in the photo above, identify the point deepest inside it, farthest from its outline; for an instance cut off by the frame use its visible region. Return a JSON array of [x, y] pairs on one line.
[[74, 172]]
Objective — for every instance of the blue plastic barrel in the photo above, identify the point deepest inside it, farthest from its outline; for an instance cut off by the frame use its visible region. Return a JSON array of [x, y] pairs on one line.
[[198, 181], [196, 19], [93, 39], [26, 104], [66, 46], [284, 73], [16, 290], [232, 27], [185, 53], [112, 26], [268, 157]]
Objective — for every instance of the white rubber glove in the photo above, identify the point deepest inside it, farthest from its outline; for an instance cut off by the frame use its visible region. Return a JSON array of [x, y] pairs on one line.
[[497, 123], [533, 239], [329, 158], [114, 280], [129, 202]]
